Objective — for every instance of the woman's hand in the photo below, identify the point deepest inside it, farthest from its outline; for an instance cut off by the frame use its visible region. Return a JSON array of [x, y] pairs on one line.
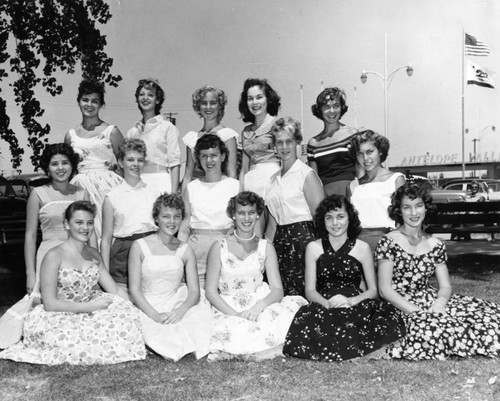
[[439, 306], [253, 313], [101, 303], [339, 301], [174, 316], [30, 283]]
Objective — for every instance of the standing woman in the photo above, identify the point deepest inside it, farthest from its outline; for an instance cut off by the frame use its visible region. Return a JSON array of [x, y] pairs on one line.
[[371, 194], [259, 105], [438, 324], [46, 205], [97, 143], [209, 102], [205, 199], [162, 167], [292, 196], [78, 323], [327, 152], [127, 211]]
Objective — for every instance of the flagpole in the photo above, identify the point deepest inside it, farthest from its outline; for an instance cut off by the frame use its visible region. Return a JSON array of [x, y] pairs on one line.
[[463, 103]]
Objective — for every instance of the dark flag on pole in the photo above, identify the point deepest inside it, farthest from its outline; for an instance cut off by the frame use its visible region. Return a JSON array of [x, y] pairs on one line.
[[474, 47]]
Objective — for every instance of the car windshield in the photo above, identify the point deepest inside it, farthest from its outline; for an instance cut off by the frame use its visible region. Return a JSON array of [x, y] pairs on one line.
[[6, 189]]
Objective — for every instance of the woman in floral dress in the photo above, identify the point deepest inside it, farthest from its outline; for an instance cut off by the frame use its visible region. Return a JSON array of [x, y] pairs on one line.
[[343, 321], [97, 143], [251, 316], [78, 323], [438, 324]]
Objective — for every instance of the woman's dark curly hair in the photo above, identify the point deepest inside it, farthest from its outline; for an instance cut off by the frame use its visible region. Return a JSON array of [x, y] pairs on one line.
[[412, 190], [87, 87], [334, 202], [273, 99], [173, 201], [380, 142], [200, 93], [152, 85], [52, 149], [210, 141], [327, 95], [245, 198], [84, 205]]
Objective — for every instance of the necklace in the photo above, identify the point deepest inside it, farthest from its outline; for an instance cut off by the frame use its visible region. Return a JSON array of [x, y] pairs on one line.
[[244, 239]]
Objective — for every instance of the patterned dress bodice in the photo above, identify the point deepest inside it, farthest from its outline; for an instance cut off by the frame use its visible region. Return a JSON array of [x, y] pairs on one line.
[[241, 276], [337, 271], [96, 153], [411, 273], [78, 286]]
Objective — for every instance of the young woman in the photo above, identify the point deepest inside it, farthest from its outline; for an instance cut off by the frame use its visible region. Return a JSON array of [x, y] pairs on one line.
[[439, 325], [78, 323], [259, 105], [342, 321], [251, 316], [371, 194], [161, 137], [328, 152], [205, 199], [209, 102], [127, 211], [174, 322], [46, 205], [292, 195], [97, 143]]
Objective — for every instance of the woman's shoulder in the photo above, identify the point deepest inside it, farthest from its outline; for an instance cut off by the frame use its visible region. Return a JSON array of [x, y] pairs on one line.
[[226, 134], [190, 139]]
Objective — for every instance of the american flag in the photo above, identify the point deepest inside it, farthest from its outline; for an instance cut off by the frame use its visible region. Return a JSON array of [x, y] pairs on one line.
[[474, 47]]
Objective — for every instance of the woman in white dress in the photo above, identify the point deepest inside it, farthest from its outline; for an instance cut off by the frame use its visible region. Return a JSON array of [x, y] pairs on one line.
[[209, 102], [163, 162], [97, 143], [371, 194], [175, 322], [205, 199], [251, 316]]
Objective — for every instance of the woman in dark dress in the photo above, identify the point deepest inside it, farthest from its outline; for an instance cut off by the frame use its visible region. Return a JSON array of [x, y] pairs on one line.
[[343, 321]]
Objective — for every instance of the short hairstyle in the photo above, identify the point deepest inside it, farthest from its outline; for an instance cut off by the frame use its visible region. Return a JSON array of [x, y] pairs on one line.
[[173, 201], [273, 99], [210, 141], [411, 190], [84, 205], [52, 149], [290, 126], [152, 85], [245, 198], [87, 87], [324, 97], [380, 142], [131, 145], [334, 202], [200, 93]]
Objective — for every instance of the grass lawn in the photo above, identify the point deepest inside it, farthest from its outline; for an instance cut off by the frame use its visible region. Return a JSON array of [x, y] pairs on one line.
[[280, 379]]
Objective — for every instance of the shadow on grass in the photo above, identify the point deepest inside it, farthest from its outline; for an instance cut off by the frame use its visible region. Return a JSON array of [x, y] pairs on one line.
[[474, 266]]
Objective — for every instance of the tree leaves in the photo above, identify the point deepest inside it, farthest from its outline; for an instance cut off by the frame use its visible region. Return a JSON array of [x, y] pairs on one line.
[[49, 36]]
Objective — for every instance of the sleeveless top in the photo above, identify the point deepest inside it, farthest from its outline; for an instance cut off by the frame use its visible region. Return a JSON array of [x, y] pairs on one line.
[[96, 153], [372, 199]]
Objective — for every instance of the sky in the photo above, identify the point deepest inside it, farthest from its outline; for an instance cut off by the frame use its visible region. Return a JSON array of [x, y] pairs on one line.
[[186, 44]]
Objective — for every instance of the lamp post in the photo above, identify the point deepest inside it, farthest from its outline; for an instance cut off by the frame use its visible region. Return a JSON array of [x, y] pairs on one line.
[[386, 79], [479, 137]]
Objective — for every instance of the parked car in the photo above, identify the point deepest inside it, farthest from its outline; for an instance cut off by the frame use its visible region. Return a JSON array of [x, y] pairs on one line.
[[448, 195], [488, 188], [12, 217], [23, 183]]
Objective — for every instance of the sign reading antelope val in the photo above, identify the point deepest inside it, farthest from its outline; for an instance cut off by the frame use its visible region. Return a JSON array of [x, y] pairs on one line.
[[449, 158]]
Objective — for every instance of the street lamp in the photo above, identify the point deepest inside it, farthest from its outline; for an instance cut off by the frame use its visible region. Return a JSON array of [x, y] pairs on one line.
[[479, 137], [386, 79]]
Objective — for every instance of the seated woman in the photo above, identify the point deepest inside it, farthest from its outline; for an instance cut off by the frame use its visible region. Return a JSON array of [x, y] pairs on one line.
[[173, 323], [438, 324], [78, 323], [342, 321], [251, 316], [127, 211]]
